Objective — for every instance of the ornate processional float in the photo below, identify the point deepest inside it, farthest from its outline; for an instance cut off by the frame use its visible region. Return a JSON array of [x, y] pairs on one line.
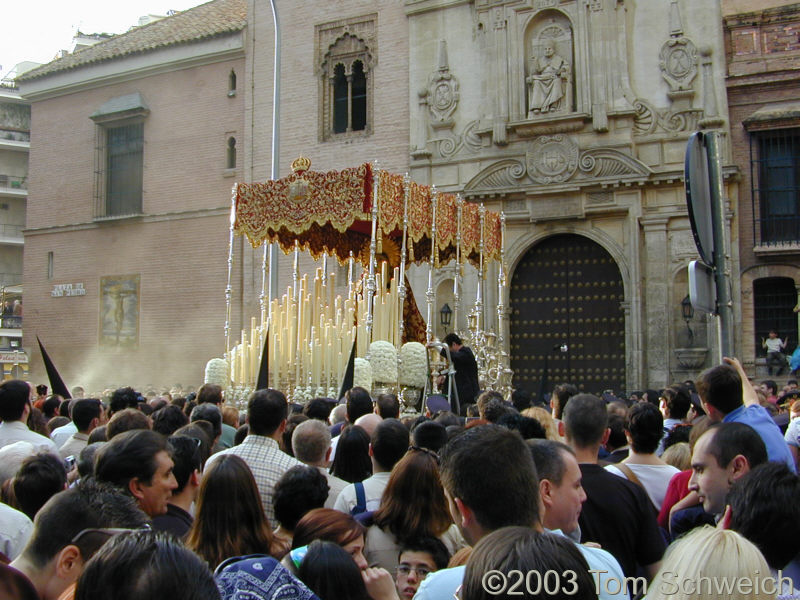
[[385, 222]]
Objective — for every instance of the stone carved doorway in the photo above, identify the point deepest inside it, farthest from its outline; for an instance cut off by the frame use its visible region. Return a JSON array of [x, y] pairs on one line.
[[567, 290]]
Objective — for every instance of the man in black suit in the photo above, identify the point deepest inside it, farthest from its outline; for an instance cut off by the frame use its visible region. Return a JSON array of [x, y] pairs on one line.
[[466, 369]]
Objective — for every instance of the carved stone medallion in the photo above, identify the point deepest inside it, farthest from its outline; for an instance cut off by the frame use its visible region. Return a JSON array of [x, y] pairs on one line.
[[442, 92], [552, 159], [678, 63]]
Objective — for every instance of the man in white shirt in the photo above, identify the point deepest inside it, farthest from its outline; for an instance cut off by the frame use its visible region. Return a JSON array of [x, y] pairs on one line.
[[60, 435], [774, 347], [388, 445], [87, 414], [311, 444], [15, 406], [15, 530]]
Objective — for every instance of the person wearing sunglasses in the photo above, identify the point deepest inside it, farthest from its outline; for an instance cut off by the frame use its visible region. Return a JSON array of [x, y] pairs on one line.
[[67, 532]]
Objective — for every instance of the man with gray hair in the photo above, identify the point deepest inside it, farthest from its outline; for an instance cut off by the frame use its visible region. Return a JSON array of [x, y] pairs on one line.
[[311, 444]]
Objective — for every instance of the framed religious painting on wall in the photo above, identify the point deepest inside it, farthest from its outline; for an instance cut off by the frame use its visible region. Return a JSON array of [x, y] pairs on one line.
[[119, 310]]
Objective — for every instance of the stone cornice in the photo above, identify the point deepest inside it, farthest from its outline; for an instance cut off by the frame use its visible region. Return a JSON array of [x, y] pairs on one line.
[[154, 218], [416, 7]]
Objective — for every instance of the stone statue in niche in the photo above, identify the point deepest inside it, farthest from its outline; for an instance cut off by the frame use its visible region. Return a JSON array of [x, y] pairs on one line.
[[549, 80]]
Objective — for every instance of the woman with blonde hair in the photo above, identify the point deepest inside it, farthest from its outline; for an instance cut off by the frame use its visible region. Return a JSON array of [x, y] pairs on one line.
[[713, 564], [413, 505], [679, 456], [547, 421]]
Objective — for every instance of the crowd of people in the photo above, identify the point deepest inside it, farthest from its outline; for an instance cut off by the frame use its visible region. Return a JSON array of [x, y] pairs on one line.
[[670, 493]]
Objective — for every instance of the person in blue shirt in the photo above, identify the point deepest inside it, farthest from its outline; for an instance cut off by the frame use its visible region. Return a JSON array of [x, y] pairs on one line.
[[727, 396]]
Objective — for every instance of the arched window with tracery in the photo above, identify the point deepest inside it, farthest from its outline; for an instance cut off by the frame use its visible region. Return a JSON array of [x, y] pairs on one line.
[[346, 88]]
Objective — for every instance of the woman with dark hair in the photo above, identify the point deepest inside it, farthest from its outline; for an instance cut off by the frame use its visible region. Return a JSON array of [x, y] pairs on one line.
[[331, 574], [146, 564], [413, 506], [351, 461], [332, 526], [563, 570], [229, 520]]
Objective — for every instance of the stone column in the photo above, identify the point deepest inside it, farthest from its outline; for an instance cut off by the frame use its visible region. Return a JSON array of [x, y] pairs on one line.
[[349, 102], [500, 58], [656, 296], [599, 31]]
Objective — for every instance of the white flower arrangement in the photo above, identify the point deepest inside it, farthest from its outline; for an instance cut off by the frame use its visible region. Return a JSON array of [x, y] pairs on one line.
[[362, 374], [302, 394], [383, 358], [414, 365], [218, 372]]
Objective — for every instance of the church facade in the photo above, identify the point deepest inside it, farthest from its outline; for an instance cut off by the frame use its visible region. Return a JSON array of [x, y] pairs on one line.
[[570, 116], [573, 117]]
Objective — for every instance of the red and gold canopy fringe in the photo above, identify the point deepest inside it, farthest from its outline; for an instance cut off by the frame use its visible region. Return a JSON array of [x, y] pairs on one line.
[[330, 212]]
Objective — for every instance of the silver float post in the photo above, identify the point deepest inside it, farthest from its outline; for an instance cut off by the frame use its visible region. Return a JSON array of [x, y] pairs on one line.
[[262, 298], [373, 247], [501, 285], [229, 288], [430, 295], [401, 285], [350, 263], [478, 311], [457, 277], [296, 271], [325, 269]]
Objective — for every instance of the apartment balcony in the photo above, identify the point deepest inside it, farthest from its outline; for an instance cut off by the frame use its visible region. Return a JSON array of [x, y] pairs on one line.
[[13, 187], [11, 235], [17, 141]]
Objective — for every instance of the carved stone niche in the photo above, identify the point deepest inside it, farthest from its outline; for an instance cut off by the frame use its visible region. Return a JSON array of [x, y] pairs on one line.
[[549, 66]]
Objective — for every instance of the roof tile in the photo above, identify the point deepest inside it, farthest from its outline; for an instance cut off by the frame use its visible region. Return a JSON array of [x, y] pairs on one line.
[[215, 18]]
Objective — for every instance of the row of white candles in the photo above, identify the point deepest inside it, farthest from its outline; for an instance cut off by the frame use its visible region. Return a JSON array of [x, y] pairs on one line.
[[310, 337]]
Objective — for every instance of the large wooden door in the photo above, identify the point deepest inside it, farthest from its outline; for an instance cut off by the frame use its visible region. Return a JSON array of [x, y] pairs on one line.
[[566, 312]]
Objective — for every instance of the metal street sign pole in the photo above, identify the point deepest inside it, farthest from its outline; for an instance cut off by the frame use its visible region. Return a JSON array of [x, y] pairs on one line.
[[721, 273], [271, 255]]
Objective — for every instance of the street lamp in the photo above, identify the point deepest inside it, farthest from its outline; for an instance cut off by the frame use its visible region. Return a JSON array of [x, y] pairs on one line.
[[688, 314], [445, 316]]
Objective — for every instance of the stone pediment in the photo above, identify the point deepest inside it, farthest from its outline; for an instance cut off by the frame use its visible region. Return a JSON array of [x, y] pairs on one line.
[[502, 175], [609, 162], [557, 161]]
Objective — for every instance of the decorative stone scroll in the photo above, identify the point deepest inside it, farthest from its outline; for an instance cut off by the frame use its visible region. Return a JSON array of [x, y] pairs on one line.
[[557, 159]]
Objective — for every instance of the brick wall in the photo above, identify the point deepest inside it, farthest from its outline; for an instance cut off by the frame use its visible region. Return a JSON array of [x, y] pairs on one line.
[[180, 256], [764, 69], [300, 102], [185, 144]]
